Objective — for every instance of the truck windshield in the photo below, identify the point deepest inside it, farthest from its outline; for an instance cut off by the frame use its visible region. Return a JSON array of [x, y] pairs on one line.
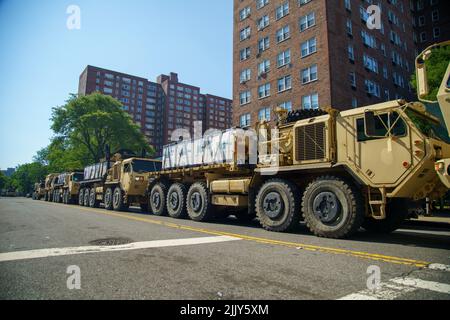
[[426, 126], [141, 166], [78, 177]]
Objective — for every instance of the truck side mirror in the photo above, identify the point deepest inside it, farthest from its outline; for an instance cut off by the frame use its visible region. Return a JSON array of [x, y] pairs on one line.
[[369, 124], [422, 80]]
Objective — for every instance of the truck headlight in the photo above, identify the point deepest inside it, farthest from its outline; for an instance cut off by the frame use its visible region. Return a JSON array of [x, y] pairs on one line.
[[139, 179]]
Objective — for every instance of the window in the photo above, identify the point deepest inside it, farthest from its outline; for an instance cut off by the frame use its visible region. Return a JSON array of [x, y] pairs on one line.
[[245, 75], [421, 21], [245, 97], [310, 101], [348, 5], [349, 27], [370, 63], [263, 44], [372, 88], [244, 13], [245, 120], [282, 11], [309, 47], [284, 58], [261, 3], [286, 105], [368, 40], [351, 53], [307, 21], [423, 36], [107, 90], [245, 33], [382, 122], [352, 77], [309, 74], [264, 67], [244, 54], [354, 102], [284, 83], [264, 114], [283, 34], [264, 91], [303, 2], [263, 22]]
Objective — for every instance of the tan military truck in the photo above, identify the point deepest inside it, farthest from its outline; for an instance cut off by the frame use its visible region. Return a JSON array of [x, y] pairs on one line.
[[118, 183], [39, 191], [337, 171], [66, 188], [49, 183]]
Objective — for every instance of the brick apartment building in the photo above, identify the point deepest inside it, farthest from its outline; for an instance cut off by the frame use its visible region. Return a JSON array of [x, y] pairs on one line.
[[159, 107], [302, 54], [431, 22]]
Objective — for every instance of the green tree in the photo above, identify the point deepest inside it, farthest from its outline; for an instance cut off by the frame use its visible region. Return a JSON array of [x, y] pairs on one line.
[[25, 176], [4, 181], [436, 68], [84, 126]]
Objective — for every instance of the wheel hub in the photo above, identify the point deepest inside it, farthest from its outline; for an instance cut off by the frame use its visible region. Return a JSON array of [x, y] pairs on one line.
[[326, 207], [156, 199], [196, 201], [174, 200], [272, 205]]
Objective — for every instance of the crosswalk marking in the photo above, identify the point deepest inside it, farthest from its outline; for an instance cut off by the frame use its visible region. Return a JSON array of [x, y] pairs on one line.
[[439, 267], [397, 287], [44, 253]]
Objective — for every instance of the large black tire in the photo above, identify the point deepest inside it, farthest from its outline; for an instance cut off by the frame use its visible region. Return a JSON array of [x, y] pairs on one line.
[[176, 201], [157, 199], [81, 198], [118, 200], [46, 196], [278, 205], [396, 213], [199, 206], [93, 202], [108, 201], [332, 208], [64, 197], [86, 197]]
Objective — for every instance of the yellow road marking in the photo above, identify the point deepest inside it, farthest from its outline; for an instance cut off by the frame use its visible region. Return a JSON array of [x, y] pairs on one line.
[[308, 247]]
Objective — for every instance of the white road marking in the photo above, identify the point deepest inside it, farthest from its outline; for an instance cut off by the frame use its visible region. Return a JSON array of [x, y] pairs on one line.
[[439, 267], [44, 253], [422, 284], [397, 287], [430, 232]]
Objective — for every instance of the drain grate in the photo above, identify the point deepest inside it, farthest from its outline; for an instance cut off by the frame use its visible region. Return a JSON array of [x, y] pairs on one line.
[[111, 242]]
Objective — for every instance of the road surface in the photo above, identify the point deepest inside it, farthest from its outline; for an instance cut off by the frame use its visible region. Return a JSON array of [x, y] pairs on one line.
[[55, 251]]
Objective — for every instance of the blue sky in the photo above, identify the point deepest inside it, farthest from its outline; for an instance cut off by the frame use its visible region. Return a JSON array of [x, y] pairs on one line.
[[41, 60]]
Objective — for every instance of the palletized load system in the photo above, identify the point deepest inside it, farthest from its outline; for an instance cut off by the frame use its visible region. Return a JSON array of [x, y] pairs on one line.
[[220, 147], [96, 172]]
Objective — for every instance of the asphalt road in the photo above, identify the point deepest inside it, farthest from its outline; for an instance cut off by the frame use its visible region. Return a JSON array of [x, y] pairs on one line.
[[163, 258]]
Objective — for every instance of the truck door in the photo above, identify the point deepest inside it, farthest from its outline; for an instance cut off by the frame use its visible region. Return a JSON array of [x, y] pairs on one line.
[[381, 159], [126, 176]]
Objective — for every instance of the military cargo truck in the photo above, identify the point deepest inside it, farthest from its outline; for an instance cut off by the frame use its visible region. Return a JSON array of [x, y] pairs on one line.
[[66, 187], [118, 183], [337, 171], [39, 191], [49, 183]]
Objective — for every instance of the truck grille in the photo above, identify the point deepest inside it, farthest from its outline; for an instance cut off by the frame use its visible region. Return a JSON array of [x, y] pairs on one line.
[[310, 142]]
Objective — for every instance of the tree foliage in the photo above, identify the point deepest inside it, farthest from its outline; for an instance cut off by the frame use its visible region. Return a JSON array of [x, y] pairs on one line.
[[4, 181], [436, 68], [85, 125], [25, 176]]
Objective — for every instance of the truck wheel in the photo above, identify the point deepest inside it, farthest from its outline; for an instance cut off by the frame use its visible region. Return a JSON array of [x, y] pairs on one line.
[[396, 213], [199, 206], [332, 208], [118, 203], [176, 201], [86, 197], [81, 197], [93, 203], [158, 199], [45, 196], [278, 205], [108, 199]]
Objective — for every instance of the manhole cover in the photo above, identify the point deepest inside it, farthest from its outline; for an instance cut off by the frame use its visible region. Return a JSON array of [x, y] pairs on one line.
[[111, 242]]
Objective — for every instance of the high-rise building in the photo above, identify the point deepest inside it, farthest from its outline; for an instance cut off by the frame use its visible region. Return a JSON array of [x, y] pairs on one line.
[[159, 107], [306, 54], [431, 22]]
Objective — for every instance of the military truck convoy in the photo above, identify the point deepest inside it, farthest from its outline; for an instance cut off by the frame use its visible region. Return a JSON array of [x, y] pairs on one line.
[[337, 171]]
